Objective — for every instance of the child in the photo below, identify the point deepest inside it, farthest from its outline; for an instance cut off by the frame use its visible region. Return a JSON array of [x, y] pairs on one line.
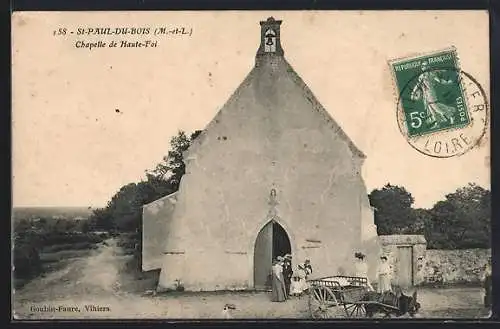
[[287, 272], [296, 286], [302, 274]]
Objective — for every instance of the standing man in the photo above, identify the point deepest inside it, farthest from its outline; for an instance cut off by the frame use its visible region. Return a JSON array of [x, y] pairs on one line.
[[287, 273], [308, 268]]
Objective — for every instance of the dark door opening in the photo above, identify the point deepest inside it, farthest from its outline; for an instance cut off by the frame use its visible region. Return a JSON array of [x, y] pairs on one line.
[[272, 241], [281, 243]]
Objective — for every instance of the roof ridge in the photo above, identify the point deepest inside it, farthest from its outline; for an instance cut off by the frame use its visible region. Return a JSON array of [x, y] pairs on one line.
[[307, 93], [199, 140], [321, 110]]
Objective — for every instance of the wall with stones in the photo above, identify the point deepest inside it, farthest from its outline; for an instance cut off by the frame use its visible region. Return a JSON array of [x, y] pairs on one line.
[[432, 266], [454, 266]]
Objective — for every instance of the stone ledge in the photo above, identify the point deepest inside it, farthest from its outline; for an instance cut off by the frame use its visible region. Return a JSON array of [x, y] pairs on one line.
[[402, 239]]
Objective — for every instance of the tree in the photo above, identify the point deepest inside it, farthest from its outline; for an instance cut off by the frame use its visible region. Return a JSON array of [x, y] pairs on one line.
[[102, 219], [462, 220], [173, 168], [124, 211], [420, 218], [393, 212], [124, 208]]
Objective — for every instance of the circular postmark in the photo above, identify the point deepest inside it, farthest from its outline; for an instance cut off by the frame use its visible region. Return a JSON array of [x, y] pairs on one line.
[[447, 124]]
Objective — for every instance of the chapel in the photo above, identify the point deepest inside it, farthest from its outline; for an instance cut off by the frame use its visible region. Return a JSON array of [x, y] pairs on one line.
[[272, 174]]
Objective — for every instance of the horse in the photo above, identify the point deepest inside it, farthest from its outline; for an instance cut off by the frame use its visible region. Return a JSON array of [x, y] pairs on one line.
[[389, 303]]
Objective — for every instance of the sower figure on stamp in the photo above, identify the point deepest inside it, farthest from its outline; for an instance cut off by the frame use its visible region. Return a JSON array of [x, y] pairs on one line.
[[437, 112]]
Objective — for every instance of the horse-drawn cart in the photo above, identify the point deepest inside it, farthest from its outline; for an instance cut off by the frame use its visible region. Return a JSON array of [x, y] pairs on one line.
[[350, 297]]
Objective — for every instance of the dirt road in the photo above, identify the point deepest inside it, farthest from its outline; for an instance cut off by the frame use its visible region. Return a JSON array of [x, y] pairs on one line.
[[98, 287]]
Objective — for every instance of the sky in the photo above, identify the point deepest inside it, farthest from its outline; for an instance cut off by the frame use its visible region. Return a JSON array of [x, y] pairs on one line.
[[72, 148]]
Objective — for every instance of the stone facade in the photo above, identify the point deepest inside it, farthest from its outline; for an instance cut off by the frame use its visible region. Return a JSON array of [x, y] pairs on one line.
[[271, 135]]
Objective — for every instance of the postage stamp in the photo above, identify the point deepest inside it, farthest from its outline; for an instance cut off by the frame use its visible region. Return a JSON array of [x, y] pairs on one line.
[[442, 111]]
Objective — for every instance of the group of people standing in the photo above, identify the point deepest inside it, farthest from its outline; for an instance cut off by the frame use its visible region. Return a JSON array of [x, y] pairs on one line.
[[384, 272], [285, 281]]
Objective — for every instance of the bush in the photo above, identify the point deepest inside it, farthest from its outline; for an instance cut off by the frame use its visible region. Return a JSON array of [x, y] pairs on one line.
[[69, 238], [55, 246], [69, 246], [44, 239], [27, 262], [62, 255]]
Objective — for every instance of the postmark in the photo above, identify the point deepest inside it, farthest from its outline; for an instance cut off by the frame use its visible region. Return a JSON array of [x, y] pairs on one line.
[[442, 111]]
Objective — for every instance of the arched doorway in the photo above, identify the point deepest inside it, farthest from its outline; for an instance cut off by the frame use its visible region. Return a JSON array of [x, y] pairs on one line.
[[272, 241]]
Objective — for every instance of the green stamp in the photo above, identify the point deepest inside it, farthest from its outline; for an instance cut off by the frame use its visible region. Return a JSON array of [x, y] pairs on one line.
[[431, 95]]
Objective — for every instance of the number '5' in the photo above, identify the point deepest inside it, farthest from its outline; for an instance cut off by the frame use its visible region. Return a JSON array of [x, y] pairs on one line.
[[416, 120]]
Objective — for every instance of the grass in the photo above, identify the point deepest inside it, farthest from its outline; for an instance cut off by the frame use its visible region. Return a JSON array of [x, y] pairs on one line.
[[69, 246], [58, 256]]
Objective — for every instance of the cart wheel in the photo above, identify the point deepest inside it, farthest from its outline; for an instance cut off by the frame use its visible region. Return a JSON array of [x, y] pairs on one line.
[[321, 302], [355, 310], [387, 314]]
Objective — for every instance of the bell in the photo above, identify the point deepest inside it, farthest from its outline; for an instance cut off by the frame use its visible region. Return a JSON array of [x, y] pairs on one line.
[[269, 41]]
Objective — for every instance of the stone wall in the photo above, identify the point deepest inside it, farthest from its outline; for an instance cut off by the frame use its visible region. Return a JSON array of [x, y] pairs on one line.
[[454, 266], [435, 266]]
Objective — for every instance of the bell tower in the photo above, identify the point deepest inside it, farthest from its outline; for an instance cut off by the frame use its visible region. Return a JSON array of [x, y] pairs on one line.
[[270, 43]]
